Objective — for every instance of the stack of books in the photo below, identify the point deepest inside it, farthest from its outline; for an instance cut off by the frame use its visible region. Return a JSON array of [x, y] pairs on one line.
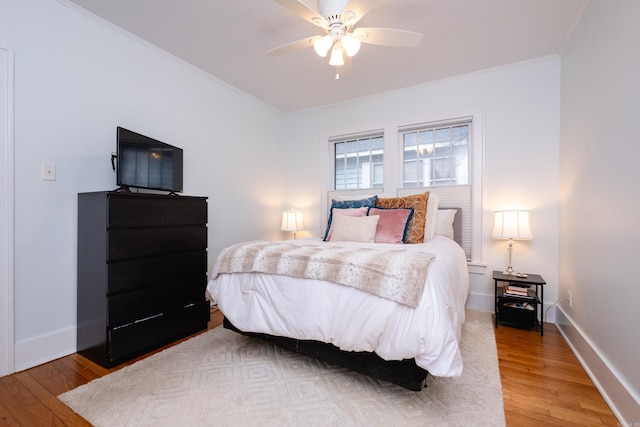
[[517, 290]]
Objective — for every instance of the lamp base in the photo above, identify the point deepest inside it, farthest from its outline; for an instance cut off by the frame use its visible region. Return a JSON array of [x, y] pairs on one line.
[[509, 272]]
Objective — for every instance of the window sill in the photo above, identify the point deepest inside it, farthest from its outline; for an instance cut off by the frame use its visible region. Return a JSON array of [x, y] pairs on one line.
[[476, 268]]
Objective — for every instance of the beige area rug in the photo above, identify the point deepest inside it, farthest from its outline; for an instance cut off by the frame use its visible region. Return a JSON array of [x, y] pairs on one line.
[[221, 378]]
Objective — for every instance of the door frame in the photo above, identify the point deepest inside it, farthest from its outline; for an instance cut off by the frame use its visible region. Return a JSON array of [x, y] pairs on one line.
[[7, 189]]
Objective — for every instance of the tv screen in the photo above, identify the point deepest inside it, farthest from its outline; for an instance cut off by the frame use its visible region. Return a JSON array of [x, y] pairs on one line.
[[144, 162]]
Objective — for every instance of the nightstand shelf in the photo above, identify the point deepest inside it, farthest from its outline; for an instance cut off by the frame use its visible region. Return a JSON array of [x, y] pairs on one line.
[[519, 311]]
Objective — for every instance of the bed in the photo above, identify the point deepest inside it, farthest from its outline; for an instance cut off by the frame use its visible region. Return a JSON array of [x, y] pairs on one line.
[[397, 336]]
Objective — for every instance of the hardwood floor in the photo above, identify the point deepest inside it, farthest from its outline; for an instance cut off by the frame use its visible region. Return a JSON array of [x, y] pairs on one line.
[[542, 381]]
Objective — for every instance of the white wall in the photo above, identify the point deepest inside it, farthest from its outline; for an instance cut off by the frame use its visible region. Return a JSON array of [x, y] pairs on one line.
[[599, 231], [75, 81], [520, 106]]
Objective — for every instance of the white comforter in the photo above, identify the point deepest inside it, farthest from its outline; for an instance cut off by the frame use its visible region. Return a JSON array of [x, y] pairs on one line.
[[354, 320]]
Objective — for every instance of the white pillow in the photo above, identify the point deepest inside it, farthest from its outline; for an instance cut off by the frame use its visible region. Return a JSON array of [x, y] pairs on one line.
[[432, 213], [444, 222], [347, 212], [354, 229]]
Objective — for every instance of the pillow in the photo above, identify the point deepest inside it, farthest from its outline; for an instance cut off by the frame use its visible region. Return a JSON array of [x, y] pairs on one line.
[[369, 201], [354, 229], [392, 225], [432, 214], [353, 212], [359, 196], [444, 222], [345, 204], [415, 230]]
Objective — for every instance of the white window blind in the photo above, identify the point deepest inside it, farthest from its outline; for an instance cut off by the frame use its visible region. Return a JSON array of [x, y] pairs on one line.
[[458, 196]]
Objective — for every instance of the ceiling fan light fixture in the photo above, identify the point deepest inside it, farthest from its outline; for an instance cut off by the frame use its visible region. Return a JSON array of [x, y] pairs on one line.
[[351, 44], [323, 45], [338, 18], [336, 56]]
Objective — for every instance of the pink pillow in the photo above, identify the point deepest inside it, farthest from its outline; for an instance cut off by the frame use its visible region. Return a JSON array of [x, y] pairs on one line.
[[392, 225]]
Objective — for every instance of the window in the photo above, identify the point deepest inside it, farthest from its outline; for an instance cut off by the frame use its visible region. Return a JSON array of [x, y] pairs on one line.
[[358, 162], [436, 155]]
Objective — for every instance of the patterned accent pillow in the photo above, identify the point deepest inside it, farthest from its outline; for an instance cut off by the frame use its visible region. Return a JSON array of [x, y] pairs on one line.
[[354, 229], [369, 202], [393, 224], [348, 212], [415, 230]]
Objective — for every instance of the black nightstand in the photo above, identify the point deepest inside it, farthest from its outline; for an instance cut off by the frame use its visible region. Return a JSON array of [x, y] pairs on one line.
[[516, 310]]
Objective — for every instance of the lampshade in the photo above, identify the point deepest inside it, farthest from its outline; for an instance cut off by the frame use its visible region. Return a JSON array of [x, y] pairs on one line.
[[511, 225], [336, 56], [292, 221], [323, 45], [351, 44]]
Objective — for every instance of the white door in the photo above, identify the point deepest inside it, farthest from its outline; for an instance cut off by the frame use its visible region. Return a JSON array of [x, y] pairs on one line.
[[6, 213]]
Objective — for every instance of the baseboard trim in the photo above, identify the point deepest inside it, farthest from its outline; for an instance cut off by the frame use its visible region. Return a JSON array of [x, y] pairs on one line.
[[624, 404], [480, 302], [44, 349]]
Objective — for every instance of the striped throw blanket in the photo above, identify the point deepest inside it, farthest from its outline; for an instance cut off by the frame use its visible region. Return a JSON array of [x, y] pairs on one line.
[[395, 274]]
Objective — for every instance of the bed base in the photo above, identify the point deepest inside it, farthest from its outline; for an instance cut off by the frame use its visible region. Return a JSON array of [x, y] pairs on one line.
[[404, 373]]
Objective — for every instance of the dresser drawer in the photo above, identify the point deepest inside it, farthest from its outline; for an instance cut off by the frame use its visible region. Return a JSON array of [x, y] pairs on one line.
[[150, 211], [142, 303], [137, 273], [128, 341], [124, 243]]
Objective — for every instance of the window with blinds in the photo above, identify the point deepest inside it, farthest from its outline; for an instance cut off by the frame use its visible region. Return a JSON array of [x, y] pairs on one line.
[[358, 161], [437, 157]]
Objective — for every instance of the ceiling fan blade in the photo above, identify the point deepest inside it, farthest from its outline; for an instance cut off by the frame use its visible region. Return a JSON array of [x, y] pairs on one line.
[[356, 9], [303, 11], [388, 37], [290, 47]]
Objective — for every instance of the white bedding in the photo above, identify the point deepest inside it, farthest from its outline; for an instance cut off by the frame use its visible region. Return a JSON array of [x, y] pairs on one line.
[[352, 319]]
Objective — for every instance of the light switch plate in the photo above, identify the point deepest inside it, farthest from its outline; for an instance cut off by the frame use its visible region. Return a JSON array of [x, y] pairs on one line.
[[49, 172]]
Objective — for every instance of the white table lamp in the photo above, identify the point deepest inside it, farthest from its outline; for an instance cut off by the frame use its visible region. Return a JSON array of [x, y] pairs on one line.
[[511, 225], [292, 221]]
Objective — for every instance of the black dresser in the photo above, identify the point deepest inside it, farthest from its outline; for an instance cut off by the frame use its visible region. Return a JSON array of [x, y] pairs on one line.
[[142, 272]]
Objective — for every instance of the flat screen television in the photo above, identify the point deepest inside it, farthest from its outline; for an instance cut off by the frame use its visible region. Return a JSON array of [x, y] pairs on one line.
[[144, 162]]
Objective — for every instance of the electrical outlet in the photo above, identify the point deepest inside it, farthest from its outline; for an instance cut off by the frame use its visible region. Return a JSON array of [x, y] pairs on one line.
[[570, 299]]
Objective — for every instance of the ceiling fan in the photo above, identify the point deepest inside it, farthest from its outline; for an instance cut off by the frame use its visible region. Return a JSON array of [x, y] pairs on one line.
[[337, 18]]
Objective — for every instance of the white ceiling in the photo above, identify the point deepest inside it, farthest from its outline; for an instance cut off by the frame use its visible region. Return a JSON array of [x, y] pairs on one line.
[[228, 39]]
